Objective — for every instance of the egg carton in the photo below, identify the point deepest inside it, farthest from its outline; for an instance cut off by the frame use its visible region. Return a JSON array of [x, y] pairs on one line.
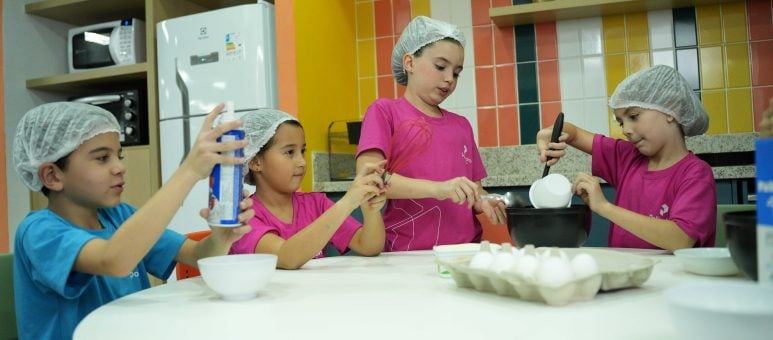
[[616, 271]]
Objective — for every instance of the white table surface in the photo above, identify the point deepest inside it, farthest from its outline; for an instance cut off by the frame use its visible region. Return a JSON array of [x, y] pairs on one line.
[[392, 296]]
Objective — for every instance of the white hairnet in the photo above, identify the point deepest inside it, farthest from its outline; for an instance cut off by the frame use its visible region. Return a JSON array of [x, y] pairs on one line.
[[420, 32], [52, 131], [662, 88], [259, 127]]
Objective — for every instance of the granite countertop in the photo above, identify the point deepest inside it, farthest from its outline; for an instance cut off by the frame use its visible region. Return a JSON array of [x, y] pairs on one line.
[[519, 165]]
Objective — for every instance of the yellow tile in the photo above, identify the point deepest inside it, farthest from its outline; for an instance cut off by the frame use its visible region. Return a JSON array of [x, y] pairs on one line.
[[740, 116], [366, 58], [709, 25], [615, 131], [365, 23], [637, 32], [367, 93], [737, 61], [638, 61], [420, 7], [614, 33], [616, 71], [712, 68], [734, 21], [714, 102]]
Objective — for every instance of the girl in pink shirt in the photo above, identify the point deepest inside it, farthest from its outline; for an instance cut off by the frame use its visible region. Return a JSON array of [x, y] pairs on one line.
[[297, 226], [666, 196]]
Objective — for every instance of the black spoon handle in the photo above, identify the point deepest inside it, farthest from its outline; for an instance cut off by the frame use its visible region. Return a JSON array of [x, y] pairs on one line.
[[557, 127]]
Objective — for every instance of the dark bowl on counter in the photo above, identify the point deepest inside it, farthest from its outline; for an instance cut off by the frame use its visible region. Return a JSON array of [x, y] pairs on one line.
[[549, 227], [741, 236]]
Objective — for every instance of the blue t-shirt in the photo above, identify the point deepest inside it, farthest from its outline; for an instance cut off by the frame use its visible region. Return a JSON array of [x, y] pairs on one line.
[[50, 297]]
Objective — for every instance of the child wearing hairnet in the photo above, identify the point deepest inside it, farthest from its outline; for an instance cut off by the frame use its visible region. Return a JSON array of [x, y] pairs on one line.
[[87, 248], [298, 226], [666, 196], [434, 198]]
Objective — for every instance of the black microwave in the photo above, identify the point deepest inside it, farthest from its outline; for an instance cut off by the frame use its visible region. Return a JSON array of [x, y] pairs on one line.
[[129, 108]]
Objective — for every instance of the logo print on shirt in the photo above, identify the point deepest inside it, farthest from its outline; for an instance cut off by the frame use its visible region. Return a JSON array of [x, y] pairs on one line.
[[663, 209], [467, 159]]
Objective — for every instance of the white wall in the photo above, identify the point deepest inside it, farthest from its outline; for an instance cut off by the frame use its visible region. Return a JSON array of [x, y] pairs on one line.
[[33, 47]]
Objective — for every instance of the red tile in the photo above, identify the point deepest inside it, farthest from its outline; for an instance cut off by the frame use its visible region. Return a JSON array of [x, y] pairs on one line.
[[505, 77], [487, 127], [402, 14], [549, 83], [760, 100], [548, 112], [383, 18], [760, 22], [501, 3], [480, 13], [762, 67], [504, 45], [386, 87], [547, 43], [508, 126], [384, 48], [484, 83], [482, 36]]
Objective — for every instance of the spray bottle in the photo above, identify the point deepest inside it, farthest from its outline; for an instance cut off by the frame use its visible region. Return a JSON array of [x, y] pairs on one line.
[[225, 182]]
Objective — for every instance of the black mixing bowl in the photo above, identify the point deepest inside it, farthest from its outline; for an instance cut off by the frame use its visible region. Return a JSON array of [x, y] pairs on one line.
[[549, 227], [741, 236]]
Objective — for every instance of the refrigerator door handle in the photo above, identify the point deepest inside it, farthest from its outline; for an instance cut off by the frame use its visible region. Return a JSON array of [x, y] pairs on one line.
[[186, 111]]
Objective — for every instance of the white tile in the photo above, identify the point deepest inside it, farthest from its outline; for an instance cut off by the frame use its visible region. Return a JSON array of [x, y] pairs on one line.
[[469, 53], [663, 57], [570, 76], [596, 116], [590, 36], [440, 10], [471, 114], [567, 34], [460, 12], [464, 94], [574, 112], [593, 77], [661, 29]]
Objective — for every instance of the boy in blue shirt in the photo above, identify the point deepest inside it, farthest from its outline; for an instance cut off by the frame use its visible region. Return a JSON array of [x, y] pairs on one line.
[[87, 248]]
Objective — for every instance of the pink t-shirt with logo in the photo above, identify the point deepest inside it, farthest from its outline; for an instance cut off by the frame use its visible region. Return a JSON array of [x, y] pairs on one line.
[[307, 207], [415, 224], [684, 193]]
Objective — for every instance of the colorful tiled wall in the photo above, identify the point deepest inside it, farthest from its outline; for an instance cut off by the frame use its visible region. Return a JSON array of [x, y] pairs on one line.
[[517, 79]]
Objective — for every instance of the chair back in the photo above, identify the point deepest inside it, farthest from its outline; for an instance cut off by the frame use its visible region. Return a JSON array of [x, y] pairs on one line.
[[720, 240], [185, 271], [7, 303]]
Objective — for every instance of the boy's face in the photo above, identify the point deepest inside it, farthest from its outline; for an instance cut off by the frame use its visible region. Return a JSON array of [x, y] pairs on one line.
[[94, 174], [282, 167]]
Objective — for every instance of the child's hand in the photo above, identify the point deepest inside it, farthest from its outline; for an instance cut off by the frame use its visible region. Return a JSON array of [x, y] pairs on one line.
[[493, 209], [547, 149], [766, 124], [459, 190], [230, 235], [367, 185], [589, 189], [374, 204], [205, 152]]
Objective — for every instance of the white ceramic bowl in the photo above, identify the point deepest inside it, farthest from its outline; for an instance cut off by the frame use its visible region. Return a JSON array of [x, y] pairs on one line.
[[551, 191], [721, 310], [707, 261], [237, 277]]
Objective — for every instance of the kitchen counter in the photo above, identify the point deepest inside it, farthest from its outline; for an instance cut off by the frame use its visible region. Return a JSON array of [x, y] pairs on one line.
[[514, 166]]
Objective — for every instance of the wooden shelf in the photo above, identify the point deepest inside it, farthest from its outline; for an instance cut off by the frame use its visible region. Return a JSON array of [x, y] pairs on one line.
[[79, 81], [575, 9], [87, 12]]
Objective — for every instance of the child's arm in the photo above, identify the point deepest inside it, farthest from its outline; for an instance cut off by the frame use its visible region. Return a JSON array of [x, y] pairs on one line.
[[662, 233], [576, 137], [369, 240], [119, 255]]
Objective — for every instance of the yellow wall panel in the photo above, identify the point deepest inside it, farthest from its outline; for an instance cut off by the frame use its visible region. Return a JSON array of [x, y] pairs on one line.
[[740, 116], [737, 60], [712, 68], [734, 21], [714, 102], [709, 25], [638, 61], [365, 20], [615, 130], [616, 71], [368, 93], [637, 32], [420, 7], [366, 57], [614, 33]]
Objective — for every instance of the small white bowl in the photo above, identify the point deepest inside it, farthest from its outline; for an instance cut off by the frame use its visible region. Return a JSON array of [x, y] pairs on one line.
[[237, 277], [721, 310], [707, 261]]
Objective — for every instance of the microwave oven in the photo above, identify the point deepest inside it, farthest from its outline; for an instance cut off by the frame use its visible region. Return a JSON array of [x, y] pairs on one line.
[[129, 108], [114, 43]]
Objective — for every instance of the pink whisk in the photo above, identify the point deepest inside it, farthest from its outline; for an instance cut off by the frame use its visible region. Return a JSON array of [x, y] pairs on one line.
[[410, 140]]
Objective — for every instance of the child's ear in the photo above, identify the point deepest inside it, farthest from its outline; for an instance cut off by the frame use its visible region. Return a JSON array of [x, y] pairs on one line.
[[50, 176], [408, 63], [254, 164]]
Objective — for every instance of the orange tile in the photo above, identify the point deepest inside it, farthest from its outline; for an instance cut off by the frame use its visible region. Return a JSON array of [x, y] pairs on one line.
[[762, 67], [504, 45], [740, 115], [760, 22], [712, 68], [637, 32], [505, 77], [384, 48], [401, 10], [482, 37], [549, 84], [508, 125], [734, 22], [716, 106], [383, 14], [487, 127], [548, 113], [480, 13], [614, 33], [547, 43], [709, 25], [400, 90], [760, 101], [500, 3], [484, 83], [386, 87], [365, 25]]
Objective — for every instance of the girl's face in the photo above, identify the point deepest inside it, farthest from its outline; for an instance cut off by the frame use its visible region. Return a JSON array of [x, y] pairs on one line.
[[281, 168], [94, 173], [432, 76], [648, 130]]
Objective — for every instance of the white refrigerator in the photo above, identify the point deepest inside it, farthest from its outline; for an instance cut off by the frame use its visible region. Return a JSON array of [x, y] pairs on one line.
[[205, 59]]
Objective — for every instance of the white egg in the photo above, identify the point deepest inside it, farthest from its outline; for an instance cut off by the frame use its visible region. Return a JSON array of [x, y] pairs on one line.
[[584, 265], [554, 272], [482, 260], [526, 266], [503, 260]]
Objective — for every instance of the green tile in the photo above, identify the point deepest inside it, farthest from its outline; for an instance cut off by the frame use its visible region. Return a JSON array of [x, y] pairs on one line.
[[521, 2], [684, 27], [528, 117], [524, 43], [527, 83]]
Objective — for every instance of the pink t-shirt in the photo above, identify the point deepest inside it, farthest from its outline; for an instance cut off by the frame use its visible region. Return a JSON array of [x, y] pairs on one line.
[[416, 224], [307, 207], [685, 193]]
